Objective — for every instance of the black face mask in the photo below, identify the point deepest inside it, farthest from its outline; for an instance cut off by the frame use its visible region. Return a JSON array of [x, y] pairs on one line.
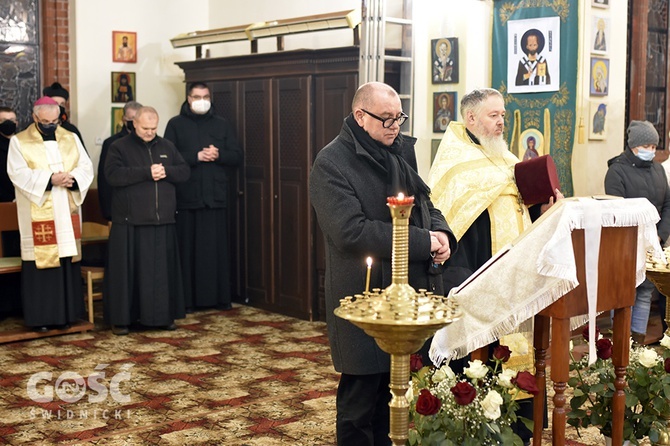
[[63, 113], [130, 126], [8, 127], [47, 129]]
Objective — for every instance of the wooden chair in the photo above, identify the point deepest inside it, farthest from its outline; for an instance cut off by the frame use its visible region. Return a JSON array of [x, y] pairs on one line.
[[95, 229]]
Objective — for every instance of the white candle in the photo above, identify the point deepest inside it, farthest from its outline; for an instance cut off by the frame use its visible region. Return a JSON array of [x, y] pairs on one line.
[[367, 276]]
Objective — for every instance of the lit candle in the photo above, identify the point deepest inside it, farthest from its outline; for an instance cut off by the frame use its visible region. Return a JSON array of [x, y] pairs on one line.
[[367, 276]]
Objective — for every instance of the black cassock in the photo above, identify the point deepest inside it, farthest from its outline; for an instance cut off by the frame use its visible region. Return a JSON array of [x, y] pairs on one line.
[[52, 296], [203, 243], [143, 281]]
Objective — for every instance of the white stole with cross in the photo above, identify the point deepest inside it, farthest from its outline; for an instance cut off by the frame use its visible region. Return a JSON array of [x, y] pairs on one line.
[[30, 183]]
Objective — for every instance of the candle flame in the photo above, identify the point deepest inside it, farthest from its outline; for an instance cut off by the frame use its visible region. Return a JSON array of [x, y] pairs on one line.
[[401, 196], [369, 261]]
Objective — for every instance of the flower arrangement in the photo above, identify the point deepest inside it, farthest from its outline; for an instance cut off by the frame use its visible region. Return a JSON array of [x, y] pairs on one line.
[[647, 392], [474, 409]]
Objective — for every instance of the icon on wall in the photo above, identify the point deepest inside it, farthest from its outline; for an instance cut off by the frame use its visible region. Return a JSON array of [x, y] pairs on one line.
[[117, 119], [124, 46], [445, 60], [123, 86], [598, 117], [444, 110], [600, 72], [600, 34]]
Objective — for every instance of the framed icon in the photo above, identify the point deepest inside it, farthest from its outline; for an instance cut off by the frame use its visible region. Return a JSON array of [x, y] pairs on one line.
[[117, 119], [444, 110], [600, 34], [534, 55], [598, 120], [124, 46], [445, 60], [600, 76], [123, 86]]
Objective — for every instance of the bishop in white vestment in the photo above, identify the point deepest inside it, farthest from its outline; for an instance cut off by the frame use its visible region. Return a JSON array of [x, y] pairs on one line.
[[51, 173]]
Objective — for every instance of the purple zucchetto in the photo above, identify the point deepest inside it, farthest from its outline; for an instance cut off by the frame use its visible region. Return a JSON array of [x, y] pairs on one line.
[[45, 100]]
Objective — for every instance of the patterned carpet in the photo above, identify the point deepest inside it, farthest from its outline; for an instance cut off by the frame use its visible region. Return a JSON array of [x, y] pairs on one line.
[[242, 377]]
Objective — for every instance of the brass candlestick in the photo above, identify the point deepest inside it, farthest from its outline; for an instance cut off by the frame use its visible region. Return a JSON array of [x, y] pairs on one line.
[[399, 318]]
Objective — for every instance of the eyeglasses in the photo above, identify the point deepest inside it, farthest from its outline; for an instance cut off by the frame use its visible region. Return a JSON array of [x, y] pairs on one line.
[[388, 122]]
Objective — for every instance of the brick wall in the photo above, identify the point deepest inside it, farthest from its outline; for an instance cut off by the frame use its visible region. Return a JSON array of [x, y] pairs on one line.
[[55, 43]]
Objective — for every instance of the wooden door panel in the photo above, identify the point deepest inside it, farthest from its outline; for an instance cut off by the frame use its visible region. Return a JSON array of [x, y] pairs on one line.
[[293, 134], [258, 190]]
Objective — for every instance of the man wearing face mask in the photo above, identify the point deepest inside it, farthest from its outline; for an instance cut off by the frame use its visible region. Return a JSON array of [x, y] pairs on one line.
[[8, 123], [634, 174], [59, 94], [51, 173], [209, 145], [104, 189]]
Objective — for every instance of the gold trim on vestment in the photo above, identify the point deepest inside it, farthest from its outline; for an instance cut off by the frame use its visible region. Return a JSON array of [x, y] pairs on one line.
[[465, 182], [42, 217]]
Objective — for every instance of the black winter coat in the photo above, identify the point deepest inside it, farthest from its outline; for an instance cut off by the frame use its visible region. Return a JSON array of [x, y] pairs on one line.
[[136, 198], [348, 190], [208, 184], [630, 177]]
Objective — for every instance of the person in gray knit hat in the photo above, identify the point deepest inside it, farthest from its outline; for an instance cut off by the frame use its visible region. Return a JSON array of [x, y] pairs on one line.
[[634, 174]]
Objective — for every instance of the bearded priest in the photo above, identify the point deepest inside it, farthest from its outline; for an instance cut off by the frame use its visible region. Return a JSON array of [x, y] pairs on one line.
[[472, 182]]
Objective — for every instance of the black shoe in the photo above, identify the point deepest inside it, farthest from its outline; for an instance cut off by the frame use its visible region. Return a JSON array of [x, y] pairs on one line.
[[120, 330], [171, 327], [224, 307], [40, 329], [189, 310], [61, 327]]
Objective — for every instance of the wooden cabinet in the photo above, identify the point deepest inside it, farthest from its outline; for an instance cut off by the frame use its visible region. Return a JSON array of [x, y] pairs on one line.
[[285, 107]]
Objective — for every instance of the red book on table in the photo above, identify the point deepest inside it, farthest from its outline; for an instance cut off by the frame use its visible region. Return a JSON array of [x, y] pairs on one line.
[[536, 179]]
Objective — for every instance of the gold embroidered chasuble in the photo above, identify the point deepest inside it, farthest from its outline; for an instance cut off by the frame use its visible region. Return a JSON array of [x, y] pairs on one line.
[[465, 182], [49, 221]]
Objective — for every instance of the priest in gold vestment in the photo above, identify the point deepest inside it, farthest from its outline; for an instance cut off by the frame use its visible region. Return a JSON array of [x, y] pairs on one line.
[[472, 183], [51, 173]]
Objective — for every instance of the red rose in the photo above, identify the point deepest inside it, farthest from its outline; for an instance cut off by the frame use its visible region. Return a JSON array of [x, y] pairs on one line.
[[502, 353], [604, 348], [415, 362], [464, 393], [667, 365], [585, 332], [427, 403], [526, 382]]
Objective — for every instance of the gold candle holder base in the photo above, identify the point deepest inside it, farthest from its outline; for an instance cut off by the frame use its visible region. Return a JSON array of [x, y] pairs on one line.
[[400, 327], [398, 318]]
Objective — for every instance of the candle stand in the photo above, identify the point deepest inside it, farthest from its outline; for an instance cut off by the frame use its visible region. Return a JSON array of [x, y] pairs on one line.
[[399, 318]]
